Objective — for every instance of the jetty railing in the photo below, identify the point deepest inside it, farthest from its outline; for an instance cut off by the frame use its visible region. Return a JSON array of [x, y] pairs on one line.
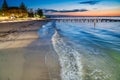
[[86, 19]]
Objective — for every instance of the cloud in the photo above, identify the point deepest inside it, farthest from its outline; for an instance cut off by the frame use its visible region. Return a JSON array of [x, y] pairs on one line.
[[91, 2], [64, 11]]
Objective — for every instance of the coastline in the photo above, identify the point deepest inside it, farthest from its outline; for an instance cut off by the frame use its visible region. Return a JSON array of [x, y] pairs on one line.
[[23, 53]]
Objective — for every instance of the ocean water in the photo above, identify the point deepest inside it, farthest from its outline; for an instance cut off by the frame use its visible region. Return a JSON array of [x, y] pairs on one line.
[[87, 51]]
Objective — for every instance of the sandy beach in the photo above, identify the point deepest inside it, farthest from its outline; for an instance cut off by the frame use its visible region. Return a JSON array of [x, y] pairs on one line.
[[23, 53]]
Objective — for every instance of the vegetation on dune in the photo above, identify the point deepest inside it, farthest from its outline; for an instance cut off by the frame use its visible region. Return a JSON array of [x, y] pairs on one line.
[[15, 12], [19, 12], [30, 13], [39, 12]]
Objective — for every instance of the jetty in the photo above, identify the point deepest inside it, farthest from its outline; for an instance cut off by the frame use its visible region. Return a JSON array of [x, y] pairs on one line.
[[86, 19]]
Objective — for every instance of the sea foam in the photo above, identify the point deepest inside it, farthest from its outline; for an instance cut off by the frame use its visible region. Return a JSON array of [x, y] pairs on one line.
[[70, 60]]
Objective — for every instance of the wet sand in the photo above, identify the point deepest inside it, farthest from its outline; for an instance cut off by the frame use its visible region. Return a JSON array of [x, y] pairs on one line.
[[24, 55]]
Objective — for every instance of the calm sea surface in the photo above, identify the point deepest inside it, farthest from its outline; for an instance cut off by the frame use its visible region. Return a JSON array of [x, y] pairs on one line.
[[87, 51]]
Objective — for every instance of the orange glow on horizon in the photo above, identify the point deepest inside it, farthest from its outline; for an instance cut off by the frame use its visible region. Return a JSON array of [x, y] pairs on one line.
[[113, 12]]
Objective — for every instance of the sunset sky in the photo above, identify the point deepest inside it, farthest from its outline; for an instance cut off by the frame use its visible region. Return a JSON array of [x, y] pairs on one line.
[[73, 7]]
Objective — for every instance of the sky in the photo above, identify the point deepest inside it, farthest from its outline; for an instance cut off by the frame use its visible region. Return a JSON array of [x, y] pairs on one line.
[[72, 7]]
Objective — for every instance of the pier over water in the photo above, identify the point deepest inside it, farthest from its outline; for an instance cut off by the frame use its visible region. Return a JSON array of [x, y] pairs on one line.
[[86, 19]]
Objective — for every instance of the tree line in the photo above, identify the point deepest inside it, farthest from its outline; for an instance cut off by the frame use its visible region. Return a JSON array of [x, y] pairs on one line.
[[19, 12]]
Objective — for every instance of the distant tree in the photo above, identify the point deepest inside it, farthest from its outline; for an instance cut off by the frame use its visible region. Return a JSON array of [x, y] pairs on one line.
[[23, 10], [23, 7], [30, 13], [40, 12], [4, 6]]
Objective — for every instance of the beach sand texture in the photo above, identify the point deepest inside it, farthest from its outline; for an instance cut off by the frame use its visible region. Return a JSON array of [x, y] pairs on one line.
[[24, 55]]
